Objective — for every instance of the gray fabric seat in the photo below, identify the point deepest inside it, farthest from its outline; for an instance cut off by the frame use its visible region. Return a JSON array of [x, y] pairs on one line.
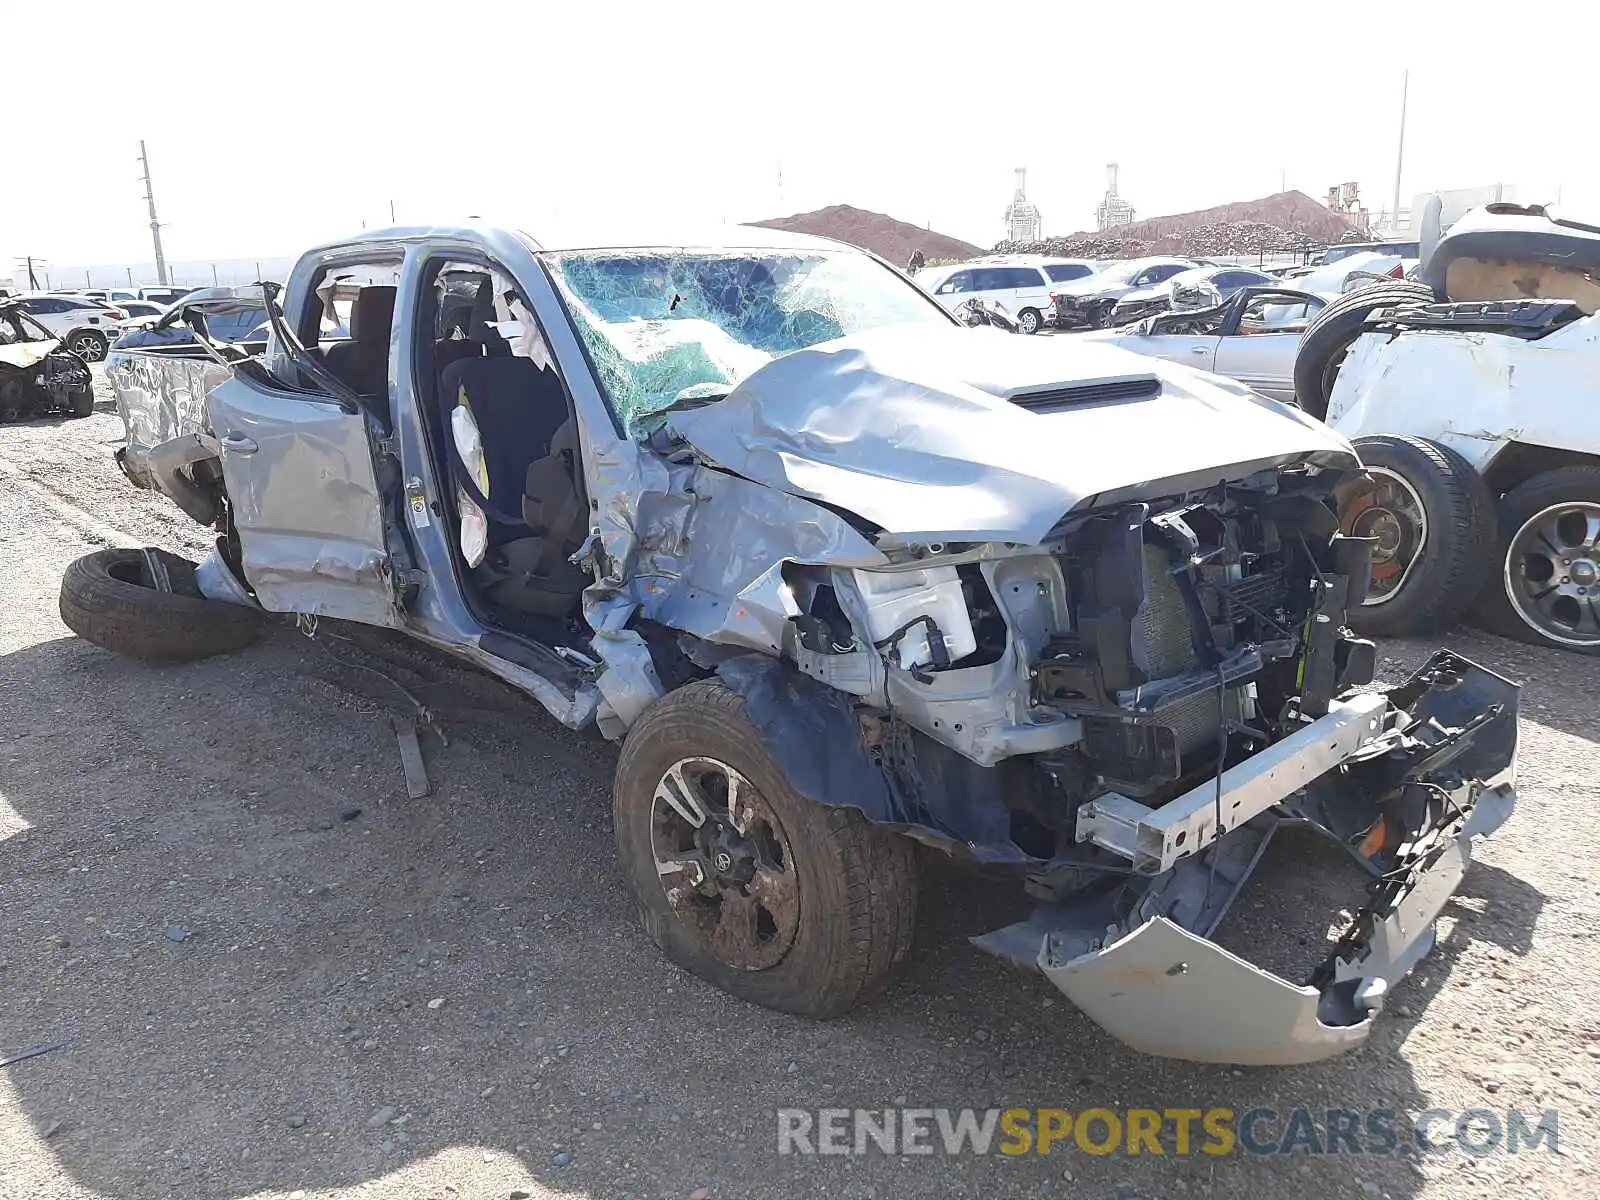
[[363, 361], [535, 500]]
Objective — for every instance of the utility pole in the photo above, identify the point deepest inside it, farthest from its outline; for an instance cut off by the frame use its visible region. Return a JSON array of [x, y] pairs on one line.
[[213, 274], [391, 212], [129, 270], [33, 280], [1399, 155], [155, 225]]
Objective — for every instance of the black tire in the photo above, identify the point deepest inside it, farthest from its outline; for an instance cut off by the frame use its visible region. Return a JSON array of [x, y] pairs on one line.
[[1328, 338], [857, 885], [1495, 611], [109, 599], [1026, 316], [1453, 558], [82, 404], [88, 344]]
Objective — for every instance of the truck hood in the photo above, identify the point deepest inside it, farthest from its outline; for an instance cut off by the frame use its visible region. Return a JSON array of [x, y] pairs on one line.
[[916, 430]]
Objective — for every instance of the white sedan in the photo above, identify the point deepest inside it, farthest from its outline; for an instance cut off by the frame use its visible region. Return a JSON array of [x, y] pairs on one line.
[[1252, 337]]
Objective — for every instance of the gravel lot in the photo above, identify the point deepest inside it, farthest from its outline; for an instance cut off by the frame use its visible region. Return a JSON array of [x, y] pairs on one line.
[[216, 891]]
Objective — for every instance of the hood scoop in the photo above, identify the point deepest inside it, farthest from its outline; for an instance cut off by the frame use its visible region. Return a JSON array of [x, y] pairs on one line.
[[1113, 391]]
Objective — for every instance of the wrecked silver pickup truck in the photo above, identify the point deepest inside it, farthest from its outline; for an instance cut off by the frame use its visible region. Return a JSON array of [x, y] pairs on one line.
[[841, 573]]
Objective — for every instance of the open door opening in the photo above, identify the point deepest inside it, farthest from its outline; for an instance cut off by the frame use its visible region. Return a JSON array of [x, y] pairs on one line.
[[500, 428]]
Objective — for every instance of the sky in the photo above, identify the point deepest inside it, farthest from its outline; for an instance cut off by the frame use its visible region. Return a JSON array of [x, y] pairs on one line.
[[271, 127]]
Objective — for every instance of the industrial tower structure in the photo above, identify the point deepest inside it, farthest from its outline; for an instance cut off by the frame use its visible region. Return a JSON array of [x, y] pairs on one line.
[[1113, 209], [1024, 222]]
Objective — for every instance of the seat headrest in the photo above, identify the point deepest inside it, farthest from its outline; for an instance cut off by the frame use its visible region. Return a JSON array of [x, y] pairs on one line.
[[372, 313], [481, 329]]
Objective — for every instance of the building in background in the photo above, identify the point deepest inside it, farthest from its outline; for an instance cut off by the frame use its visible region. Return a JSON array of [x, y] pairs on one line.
[[1345, 199], [1024, 222], [1113, 209]]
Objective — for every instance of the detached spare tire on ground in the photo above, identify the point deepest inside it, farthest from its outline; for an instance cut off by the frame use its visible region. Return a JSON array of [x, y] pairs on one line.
[[1433, 520], [146, 604], [1327, 339]]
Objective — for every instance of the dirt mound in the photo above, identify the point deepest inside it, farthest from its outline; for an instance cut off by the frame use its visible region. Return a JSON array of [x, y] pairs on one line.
[[1286, 221], [1293, 212], [883, 235]]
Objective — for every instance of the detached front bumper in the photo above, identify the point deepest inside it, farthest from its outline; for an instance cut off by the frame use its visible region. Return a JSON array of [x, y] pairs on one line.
[[1406, 802]]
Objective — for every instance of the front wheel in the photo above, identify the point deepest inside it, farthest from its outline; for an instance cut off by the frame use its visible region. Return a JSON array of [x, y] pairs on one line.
[[1029, 321], [1545, 585], [1432, 520], [88, 345], [790, 904]]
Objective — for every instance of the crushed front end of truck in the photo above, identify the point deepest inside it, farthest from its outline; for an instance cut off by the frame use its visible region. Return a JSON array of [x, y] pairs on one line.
[[1090, 632]]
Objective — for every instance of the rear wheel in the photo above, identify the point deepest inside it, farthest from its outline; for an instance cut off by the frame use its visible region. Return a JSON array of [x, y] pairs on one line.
[[1545, 584], [1332, 331], [1432, 519], [740, 880]]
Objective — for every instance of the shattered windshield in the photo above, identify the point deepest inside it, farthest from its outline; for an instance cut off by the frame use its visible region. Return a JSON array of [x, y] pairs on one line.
[[665, 326]]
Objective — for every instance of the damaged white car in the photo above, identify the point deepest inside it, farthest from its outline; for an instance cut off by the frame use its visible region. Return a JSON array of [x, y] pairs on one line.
[[1474, 399], [841, 573], [38, 375]]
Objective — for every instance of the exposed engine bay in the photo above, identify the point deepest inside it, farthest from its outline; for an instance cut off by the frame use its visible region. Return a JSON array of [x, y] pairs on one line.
[[1123, 716]]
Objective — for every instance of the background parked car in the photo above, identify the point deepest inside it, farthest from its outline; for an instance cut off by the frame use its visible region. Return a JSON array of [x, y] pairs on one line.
[[1351, 270], [1021, 286], [87, 327], [222, 314], [117, 296], [1222, 281], [164, 294], [1344, 249], [139, 310], [1088, 302], [1252, 337]]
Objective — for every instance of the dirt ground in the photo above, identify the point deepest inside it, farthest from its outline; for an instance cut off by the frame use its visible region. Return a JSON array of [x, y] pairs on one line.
[[276, 975]]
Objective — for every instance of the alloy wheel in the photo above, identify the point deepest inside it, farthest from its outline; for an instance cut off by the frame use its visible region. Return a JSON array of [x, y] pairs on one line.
[[1552, 573], [724, 862]]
